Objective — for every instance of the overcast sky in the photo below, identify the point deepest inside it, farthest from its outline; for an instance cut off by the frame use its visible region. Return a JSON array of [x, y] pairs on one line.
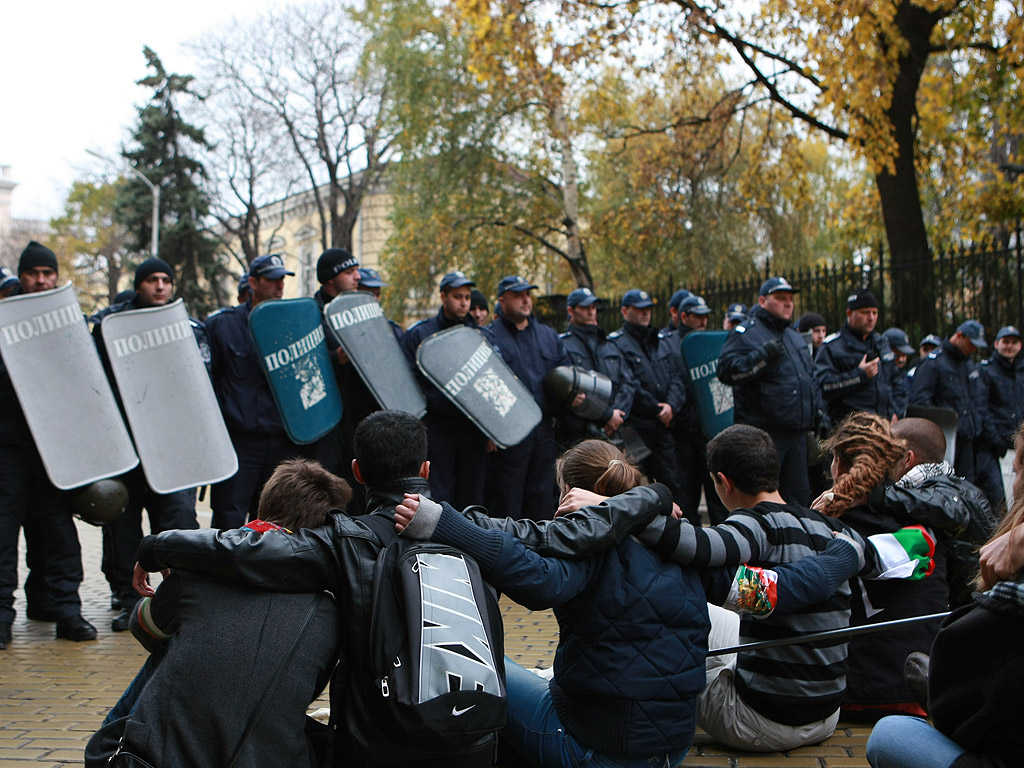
[[67, 82]]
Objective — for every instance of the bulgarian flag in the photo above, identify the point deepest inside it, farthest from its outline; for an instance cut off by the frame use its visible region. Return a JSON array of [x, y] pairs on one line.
[[909, 553]]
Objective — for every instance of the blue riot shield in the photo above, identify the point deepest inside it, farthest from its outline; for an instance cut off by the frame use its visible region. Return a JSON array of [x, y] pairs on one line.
[[289, 336], [701, 350], [464, 366]]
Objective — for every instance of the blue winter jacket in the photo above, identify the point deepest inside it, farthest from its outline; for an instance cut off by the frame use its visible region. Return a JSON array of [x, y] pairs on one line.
[[531, 353], [1004, 380], [633, 632]]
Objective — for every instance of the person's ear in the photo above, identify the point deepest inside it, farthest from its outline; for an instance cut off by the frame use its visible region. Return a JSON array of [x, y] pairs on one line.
[[356, 473], [425, 470]]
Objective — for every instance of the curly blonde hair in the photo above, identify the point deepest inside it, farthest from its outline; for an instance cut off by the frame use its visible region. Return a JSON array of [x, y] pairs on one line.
[[868, 452], [597, 466]]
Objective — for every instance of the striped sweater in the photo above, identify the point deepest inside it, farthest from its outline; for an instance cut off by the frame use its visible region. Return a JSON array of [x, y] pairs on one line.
[[791, 684]]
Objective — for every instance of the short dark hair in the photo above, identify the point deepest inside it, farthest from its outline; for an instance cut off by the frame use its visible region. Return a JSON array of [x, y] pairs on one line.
[[924, 438], [747, 456], [389, 445], [301, 494]]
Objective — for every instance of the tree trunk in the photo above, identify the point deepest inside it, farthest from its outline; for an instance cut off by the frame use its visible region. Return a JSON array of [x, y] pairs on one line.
[[570, 201]]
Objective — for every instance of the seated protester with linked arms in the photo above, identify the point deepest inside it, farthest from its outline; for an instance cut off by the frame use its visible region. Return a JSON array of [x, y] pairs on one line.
[[341, 556], [618, 696], [768, 699], [927, 491], [865, 453], [216, 650]]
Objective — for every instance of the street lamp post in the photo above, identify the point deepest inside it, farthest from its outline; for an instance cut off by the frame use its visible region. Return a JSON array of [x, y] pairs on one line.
[[154, 245]]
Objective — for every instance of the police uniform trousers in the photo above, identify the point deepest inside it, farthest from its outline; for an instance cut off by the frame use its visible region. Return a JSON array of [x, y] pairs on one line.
[[235, 499], [29, 500], [692, 460], [964, 461], [661, 466], [523, 484], [989, 476], [794, 483], [166, 511], [457, 451]]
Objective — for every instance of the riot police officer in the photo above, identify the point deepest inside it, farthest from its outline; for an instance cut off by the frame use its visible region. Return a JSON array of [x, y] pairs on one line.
[[948, 378], [900, 343], [153, 287], [246, 402], [457, 449], [660, 393], [855, 367], [589, 350], [524, 474], [29, 500], [768, 365], [1002, 378]]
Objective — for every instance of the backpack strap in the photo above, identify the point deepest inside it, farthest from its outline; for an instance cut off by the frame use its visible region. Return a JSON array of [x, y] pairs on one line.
[[382, 526]]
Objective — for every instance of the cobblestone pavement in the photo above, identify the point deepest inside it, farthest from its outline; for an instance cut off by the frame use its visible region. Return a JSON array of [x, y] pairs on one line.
[[55, 693]]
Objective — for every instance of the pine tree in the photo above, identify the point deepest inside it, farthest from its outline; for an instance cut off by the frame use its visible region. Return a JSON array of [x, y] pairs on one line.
[[165, 148]]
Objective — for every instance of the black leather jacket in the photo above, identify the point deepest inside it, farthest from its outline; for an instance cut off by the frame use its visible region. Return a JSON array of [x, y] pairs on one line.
[[341, 557]]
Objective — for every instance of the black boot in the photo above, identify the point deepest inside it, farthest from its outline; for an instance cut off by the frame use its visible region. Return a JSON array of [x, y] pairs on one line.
[[75, 628], [5, 635], [915, 673]]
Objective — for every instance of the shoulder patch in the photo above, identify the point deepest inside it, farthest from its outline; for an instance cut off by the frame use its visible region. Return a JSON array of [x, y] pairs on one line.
[[418, 323], [831, 337], [614, 334], [935, 354], [564, 335], [664, 334]]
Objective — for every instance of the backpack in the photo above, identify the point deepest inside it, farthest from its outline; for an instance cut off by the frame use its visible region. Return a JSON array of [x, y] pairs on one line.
[[436, 645]]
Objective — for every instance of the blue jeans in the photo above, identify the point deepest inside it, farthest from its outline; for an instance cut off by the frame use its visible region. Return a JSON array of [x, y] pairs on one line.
[[126, 704], [900, 741], [535, 731]]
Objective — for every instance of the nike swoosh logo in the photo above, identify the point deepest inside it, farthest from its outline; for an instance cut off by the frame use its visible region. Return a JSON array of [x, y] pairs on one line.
[[456, 711]]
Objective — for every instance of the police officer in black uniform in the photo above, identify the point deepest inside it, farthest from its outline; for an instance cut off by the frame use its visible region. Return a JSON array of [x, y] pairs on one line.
[[29, 500], [457, 449], [901, 348], [660, 393], [691, 444], [589, 350], [855, 367], [246, 402], [524, 474], [1002, 376], [768, 365], [154, 287], [949, 378], [673, 310]]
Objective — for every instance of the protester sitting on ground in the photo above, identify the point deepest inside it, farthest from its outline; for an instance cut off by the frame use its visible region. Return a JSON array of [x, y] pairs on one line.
[[977, 667], [216, 650], [633, 626], [865, 452], [927, 491], [758, 701]]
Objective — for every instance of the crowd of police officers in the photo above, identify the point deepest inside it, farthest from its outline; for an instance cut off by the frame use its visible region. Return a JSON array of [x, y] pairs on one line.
[[792, 380]]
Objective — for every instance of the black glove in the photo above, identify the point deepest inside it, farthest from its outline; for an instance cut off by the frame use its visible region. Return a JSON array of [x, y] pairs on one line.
[[774, 349]]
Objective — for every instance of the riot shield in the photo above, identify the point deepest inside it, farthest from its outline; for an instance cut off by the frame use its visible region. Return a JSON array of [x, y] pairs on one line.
[[59, 379], [563, 383], [701, 350], [946, 418], [464, 366], [289, 337], [168, 398], [358, 323]]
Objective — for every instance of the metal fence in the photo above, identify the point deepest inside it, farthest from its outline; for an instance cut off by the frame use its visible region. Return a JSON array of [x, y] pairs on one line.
[[936, 292]]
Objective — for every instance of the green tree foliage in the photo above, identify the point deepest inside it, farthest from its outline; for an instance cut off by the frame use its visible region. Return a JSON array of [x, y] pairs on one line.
[[165, 147], [88, 239]]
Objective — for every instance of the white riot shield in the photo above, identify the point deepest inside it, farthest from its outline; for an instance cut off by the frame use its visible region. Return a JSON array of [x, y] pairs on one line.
[[464, 366], [68, 403], [168, 398], [358, 323]]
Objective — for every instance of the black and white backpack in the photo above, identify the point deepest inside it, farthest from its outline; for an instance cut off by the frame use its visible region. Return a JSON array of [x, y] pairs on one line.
[[436, 645]]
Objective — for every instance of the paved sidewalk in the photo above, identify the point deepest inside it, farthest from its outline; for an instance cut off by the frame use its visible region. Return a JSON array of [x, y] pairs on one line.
[[55, 693]]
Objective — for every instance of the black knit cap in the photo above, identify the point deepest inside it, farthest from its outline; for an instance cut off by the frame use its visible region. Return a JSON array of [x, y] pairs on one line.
[[333, 262], [151, 267], [477, 300], [863, 299], [809, 320], [37, 255]]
